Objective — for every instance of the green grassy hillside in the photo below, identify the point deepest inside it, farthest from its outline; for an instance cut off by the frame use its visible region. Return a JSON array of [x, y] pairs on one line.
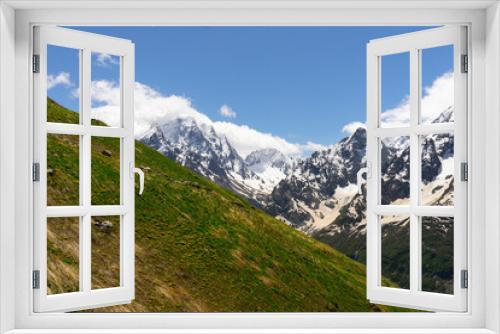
[[199, 247]]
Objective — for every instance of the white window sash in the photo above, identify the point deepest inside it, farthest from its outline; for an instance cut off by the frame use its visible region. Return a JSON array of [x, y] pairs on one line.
[[86, 297], [414, 297]]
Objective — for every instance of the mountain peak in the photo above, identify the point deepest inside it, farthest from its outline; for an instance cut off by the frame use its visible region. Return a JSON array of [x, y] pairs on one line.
[[267, 156], [359, 133], [445, 116]]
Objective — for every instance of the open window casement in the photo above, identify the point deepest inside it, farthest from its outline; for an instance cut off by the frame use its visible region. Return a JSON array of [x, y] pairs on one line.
[[70, 218], [411, 129]]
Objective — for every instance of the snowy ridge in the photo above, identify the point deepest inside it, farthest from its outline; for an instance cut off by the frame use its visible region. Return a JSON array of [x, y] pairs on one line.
[[198, 146]]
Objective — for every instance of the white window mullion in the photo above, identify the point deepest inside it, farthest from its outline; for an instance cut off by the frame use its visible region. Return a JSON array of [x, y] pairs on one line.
[[373, 176], [415, 261], [85, 176], [127, 240]]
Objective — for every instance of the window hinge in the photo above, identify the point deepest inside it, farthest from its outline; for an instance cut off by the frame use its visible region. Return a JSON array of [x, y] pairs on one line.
[[464, 171], [36, 279], [36, 63], [464, 284], [465, 63], [36, 172]]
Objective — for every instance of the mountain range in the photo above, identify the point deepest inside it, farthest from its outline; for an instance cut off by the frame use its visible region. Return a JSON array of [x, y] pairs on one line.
[[316, 194], [200, 148], [198, 246]]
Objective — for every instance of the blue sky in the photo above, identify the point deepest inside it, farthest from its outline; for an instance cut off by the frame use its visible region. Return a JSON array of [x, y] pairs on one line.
[[299, 83]]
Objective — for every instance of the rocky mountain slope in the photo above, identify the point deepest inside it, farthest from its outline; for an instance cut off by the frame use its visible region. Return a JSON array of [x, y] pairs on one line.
[[347, 230], [200, 148], [315, 191], [309, 198]]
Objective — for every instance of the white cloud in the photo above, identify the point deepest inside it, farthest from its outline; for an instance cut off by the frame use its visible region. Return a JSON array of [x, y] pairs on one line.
[[353, 126], [151, 108], [436, 98], [106, 60], [62, 78], [226, 111], [246, 140], [396, 117]]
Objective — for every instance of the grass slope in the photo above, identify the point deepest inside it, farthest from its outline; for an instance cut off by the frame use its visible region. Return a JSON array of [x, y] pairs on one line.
[[199, 247]]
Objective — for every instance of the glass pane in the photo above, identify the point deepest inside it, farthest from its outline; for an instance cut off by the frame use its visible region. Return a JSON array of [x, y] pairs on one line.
[[437, 98], [63, 170], [63, 85], [105, 90], [395, 90], [105, 171], [437, 254], [395, 232], [63, 253], [437, 169], [395, 170], [105, 252]]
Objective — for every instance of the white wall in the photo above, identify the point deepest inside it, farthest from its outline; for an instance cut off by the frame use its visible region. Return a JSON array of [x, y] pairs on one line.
[[492, 189], [7, 18]]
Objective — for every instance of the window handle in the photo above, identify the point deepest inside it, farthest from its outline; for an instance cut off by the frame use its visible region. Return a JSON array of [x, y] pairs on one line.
[[135, 170], [359, 177], [141, 179]]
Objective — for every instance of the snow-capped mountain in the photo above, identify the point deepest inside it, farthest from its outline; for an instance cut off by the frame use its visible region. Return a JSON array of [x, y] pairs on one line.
[[347, 231], [198, 146], [271, 165], [310, 196], [318, 194], [322, 187]]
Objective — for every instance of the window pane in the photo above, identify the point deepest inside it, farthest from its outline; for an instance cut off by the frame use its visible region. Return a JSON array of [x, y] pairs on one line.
[[105, 171], [105, 252], [395, 169], [437, 100], [395, 90], [437, 169], [63, 84], [63, 253], [105, 90], [395, 232], [437, 254], [63, 170]]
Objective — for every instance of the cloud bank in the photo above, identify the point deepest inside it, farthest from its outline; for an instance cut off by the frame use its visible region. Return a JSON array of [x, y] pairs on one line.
[[436, 98], [152, 108], [246, 140]]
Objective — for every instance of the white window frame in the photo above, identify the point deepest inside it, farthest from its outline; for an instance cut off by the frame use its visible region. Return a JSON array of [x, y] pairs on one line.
[[85, 44], [16, 20], [413, 44]]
